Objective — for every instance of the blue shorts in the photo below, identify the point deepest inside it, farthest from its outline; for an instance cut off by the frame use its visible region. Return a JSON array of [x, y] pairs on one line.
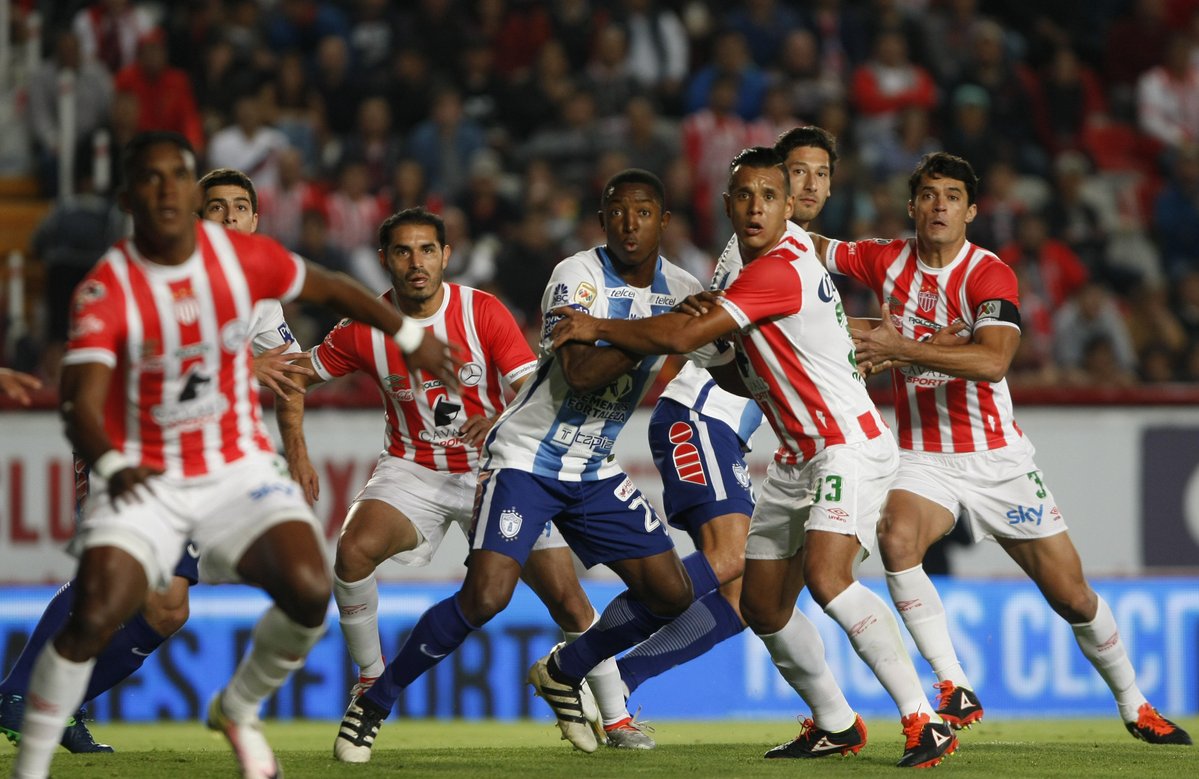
[[703, 468], [603, 521], [189, 561]]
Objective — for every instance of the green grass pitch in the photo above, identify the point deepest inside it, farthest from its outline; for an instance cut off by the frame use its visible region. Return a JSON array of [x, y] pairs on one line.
[[531, 750]]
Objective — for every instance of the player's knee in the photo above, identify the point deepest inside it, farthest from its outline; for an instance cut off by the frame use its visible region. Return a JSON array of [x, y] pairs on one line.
[[826, 583], [763, 617], [355, 558], [727, 566], [1077, 606], [166, 619], [572, 611], [898, 544], [308, 590], [479, 606], [86, 633]]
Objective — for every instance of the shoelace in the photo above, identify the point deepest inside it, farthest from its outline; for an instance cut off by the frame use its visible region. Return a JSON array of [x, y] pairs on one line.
[[808, 725], [913, 728], [634, 723], [1149, 719], [947, 689]]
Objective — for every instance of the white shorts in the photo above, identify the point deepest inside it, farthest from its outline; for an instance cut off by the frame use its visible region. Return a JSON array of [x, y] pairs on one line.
[[998, 493], [840, 490], [432, 501], [222, 513]]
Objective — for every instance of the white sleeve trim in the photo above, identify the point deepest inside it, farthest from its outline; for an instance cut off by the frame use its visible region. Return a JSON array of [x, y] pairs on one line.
[[318, 366], [95, 354], [523, 370]]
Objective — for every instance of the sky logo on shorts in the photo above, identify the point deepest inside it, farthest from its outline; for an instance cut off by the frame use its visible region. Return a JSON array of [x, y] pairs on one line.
[[1021, 514], [687, 463]]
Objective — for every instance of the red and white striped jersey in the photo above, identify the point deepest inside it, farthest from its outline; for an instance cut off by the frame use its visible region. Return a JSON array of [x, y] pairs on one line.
[[936, 412], [183, 396], [795, 353], [424, 417]]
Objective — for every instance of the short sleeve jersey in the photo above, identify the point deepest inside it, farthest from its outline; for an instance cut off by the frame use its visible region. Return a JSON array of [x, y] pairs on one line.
[[936, 412], [552, 431], [183, 396], [424, 417], [795, 352]]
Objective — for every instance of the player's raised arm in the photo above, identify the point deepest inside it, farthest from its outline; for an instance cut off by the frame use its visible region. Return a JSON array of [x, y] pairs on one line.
[[422, 350]]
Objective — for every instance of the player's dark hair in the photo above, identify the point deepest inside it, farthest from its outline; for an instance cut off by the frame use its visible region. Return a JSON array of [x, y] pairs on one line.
[[809, 135], [131, 155], [411, 216], [943, 165], [229, 177], [760, 157], [637, 176]]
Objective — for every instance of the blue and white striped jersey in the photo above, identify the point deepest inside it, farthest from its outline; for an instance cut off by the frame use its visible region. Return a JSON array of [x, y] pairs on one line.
[[549, 430]]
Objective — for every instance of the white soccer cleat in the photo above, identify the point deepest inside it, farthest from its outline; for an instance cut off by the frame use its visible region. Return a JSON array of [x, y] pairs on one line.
[[575, 707], [359, 728], [253, 753]]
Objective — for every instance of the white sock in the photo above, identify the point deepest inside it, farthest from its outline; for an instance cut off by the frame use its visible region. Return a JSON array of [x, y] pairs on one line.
[[874, 633], [918, 603], [606, 685], [279, 647], [1100, 641], [358, 613], [798, 653], [58, 685]]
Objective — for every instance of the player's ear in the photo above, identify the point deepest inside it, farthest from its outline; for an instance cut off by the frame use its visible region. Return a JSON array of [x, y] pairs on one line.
[[971, 212], [446, 251], [911, 210], [600, 215], [665, 219], [254, 223], [728, 205]]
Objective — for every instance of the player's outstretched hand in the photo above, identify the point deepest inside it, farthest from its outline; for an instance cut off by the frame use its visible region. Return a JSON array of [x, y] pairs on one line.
[[128, 484], [573, 325], [272, 366], [438, 358], [699, 303], [17, 385], [476, 428]]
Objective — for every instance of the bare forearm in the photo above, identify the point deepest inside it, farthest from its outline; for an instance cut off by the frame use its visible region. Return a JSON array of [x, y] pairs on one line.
[[343, 295], [664, 334], [974, 362], [587, 368], [289, 413]]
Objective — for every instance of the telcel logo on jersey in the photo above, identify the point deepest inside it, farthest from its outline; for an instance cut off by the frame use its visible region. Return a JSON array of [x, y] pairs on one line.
[[1021, 514]]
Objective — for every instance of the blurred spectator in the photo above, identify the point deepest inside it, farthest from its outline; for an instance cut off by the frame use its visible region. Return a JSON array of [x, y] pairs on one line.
[[570, 144], [471, 262], [1089, 316], [281, 209], [799, 69], [92, 98], [1075, 219], [482, 90], [488, 210], [1053, 269], [1168, 97], [445, 143], [577, 23], [730, 60], [659, 49], [1135, 42], [712, 136], [886, 84], [374, 34], [1034, 364], [1158, 365], [435, 27], [408, 188], [999, 206], [763, 24], [75, 234], [1176, 215], [777, 117], [650, 142], [354, 212], [900, 151], [971, 134], [1065, 97], [374, 143], [678, 248], [897, 15], [164, 94], [1185, 304], [540, 95], [1152, 325], [109, 31], [340, 91], [409, 89], [951, 25], [298, 110], [844, 40], [303, 25], [1101, 366], [607, 74], [314, 245], [523, 265], [249, 145], [516, 31]]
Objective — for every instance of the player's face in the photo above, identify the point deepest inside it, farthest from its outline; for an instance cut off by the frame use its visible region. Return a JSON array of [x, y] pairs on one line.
[[941, 211], [633, 222], [161, 194], [811, 177], [230, 205], [415, 261], [758, 206]]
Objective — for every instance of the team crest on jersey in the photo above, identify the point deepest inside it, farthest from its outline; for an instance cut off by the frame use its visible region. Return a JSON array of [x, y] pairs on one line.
[[187, 308], [89, 292], [510, 522], [397, 386], [470, 374], [926, 299], [234, 335], [742, 475], [585, 294]]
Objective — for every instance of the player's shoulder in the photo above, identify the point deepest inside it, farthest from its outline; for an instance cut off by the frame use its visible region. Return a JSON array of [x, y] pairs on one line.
[[677, 277], [985, 263], [245, 244]]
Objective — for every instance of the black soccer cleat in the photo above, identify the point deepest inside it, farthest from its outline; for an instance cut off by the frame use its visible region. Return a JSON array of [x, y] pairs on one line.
[[75, 736], [815, 742], [1156, 729], [958, 706], [928, 743]]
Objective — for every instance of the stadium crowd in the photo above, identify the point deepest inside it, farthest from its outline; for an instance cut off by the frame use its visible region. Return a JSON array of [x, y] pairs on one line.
[[505, 117]]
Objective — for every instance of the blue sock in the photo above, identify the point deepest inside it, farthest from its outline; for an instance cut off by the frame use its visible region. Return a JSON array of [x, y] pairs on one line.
[[439, 631], [710, 620], [625, 622], [52, 621], [125, 653], [703, 578]]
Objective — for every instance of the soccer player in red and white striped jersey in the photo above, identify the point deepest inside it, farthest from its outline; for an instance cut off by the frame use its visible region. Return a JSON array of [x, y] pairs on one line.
[[962, 454], [425, 479], [158, 398], [820, 501]]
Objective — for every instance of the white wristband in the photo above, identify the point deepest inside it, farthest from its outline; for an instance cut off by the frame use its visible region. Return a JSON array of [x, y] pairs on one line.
[[409, 336], [110, 464]]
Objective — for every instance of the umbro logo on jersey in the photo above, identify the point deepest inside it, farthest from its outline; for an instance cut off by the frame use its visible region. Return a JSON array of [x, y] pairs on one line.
[[940, 738]]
